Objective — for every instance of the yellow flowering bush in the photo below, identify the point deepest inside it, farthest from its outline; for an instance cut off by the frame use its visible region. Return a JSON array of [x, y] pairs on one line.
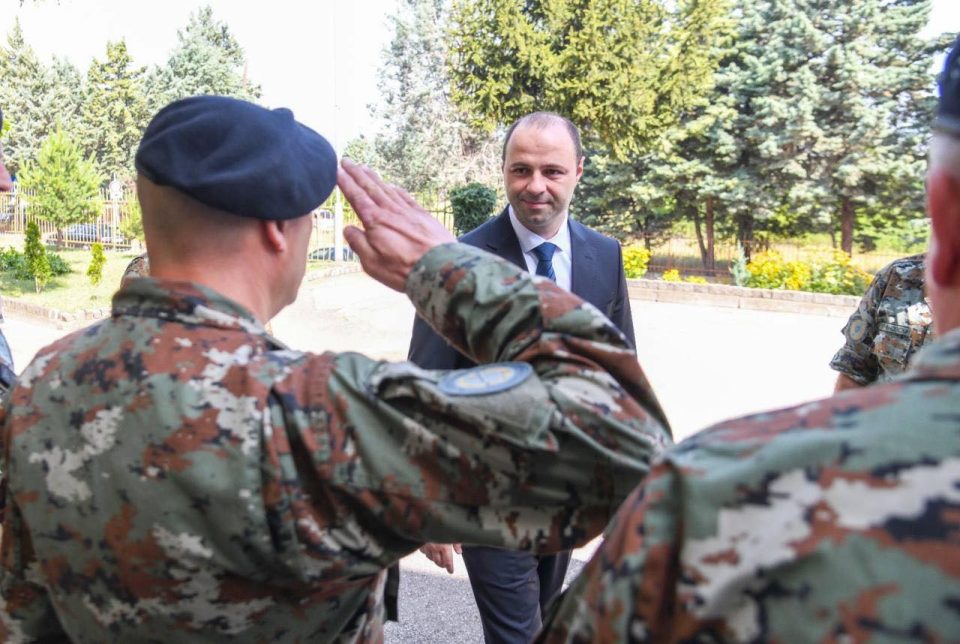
[[838, 275], [673, 275], [635, 260]]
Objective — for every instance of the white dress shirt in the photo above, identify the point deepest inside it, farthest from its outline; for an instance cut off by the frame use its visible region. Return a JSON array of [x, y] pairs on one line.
[[562, 258]]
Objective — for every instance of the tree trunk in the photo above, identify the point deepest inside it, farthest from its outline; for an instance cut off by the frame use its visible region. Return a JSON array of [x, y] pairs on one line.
[[847, 217], [708, 216], [696, 227], [745, 234]]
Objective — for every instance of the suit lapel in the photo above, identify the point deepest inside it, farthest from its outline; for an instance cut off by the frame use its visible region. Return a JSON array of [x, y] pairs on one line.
[[502, 241], [585, 281]]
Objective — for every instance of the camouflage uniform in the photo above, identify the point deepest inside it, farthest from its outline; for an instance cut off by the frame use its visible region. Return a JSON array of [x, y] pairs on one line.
[[139, 266], [892, 322], [833, 521], [206, 483]]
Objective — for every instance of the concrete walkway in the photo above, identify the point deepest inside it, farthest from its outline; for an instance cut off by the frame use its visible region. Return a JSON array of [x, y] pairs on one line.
[[706, 364]]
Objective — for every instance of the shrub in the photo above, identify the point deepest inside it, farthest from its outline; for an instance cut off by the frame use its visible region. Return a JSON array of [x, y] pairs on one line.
[[768, 270], [738, 268], [67, 185], [840, 276], [35, 256], [635, 260], [472, 205], [13, 261], [673, 275], [95, 270], [695, 279]]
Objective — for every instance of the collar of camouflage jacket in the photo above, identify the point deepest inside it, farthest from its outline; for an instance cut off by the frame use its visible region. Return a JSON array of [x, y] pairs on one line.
[[939, 360], [186, 303]]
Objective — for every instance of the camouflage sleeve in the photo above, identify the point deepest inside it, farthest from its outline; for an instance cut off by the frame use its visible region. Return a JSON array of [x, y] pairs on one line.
[[399, 457], [856, 358], [26, 614], [629, 585]]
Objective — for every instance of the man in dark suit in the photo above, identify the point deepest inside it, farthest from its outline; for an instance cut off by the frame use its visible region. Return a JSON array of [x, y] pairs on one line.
[[542, 163]]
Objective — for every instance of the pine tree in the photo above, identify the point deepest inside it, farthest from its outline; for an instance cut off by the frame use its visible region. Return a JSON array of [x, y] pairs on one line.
[[426, 142], [66, 186], [97, 260], [114, 111], [25, 83], [35, 256], [206, 60], [621, 69]]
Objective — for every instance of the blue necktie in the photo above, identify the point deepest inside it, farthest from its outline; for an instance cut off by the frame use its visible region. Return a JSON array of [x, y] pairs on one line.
[[544, 253]]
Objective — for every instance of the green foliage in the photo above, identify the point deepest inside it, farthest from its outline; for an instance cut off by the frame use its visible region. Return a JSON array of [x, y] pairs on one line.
[[132, 225], [35, 257], [472, 205], [635, 260], [97, 260], [207, 59], [14, 262], [738, 268], [66, 186], [426, 143], [35, 99], [114, 111], [623, 69], [838, 275]]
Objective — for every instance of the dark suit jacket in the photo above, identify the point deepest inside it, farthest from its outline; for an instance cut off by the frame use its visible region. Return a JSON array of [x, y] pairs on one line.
[[597, 278]]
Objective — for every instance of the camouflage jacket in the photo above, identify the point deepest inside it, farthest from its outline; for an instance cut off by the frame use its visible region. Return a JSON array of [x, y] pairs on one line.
[[205, 483], [833, 521], [891, 323]]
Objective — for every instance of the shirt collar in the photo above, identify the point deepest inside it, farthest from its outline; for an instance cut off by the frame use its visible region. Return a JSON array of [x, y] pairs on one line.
[[530, 240], [186, 303]]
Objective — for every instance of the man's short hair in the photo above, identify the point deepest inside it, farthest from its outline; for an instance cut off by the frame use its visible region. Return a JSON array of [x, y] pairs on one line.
[[542, 120]]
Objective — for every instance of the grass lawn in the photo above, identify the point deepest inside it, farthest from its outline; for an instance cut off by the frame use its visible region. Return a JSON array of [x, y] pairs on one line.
[[74, 292]]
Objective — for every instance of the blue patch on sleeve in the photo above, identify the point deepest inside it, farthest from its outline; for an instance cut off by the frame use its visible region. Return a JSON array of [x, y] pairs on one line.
[[485, 379]]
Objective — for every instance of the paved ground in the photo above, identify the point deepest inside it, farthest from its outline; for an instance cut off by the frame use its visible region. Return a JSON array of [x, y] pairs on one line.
[[706, 365]]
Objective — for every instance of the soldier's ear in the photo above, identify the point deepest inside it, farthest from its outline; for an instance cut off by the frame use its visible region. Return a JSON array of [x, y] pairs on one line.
[[272, 234], [943, 207]]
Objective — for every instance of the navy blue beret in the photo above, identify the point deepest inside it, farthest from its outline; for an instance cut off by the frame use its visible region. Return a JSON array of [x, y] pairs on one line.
[[948, 108], [238, 157]]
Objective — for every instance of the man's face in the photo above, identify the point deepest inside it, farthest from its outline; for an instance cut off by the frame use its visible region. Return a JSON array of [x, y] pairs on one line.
[[540, 172]]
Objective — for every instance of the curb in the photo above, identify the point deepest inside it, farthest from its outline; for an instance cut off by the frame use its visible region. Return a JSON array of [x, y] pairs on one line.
[[739, 297]]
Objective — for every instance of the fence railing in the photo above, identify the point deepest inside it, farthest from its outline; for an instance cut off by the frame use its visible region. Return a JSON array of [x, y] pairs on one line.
[[117, 207]]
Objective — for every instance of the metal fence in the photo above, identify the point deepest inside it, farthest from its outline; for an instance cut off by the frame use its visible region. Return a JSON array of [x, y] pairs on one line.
[[119, 205], [16, 213]]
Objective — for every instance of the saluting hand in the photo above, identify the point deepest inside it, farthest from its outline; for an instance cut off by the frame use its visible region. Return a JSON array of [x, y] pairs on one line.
[[396, 231]]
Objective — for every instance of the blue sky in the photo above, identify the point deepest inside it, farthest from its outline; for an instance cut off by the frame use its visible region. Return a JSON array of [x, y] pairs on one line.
[[317, 57]]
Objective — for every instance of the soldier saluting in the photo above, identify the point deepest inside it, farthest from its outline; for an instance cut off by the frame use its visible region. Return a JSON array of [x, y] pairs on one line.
[[176, 473]]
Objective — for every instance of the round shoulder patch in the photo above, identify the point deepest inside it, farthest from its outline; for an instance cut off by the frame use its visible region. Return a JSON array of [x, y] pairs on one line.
[[858, 329], [485, 379]]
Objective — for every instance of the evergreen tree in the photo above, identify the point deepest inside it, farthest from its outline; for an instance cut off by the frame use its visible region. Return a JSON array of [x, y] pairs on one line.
[[426, 142], [206, 60], [621, 69], [66, 186], [25, 83], [35, 257], [97, 260], [114, 111]]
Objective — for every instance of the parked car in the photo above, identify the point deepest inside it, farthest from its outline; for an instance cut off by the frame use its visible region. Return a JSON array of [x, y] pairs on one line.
[[328, 253], [89, 233]]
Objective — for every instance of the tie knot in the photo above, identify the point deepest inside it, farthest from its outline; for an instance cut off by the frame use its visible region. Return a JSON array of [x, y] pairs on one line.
[[545, 251]]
